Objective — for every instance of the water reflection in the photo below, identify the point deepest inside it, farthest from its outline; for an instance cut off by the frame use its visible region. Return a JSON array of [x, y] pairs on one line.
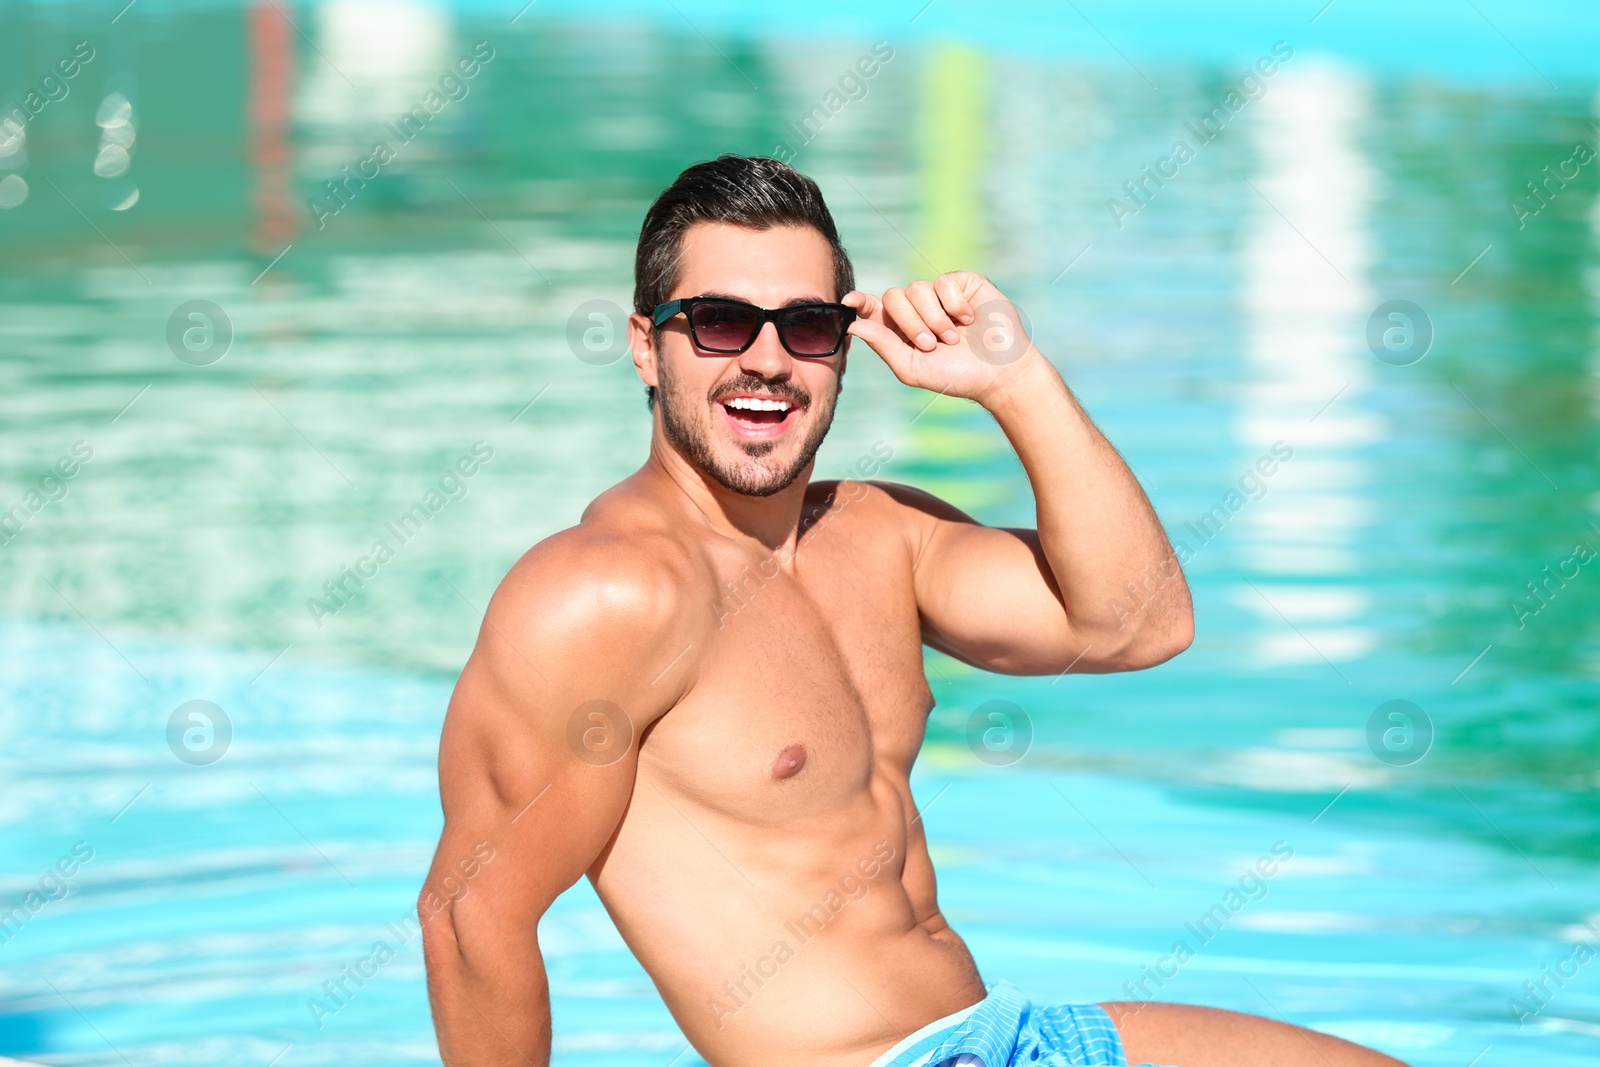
[[378, 58], [271, 38], [1594, 290], [1306, 295]]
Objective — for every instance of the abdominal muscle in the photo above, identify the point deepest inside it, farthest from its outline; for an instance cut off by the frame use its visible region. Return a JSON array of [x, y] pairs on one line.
[[783, 944]]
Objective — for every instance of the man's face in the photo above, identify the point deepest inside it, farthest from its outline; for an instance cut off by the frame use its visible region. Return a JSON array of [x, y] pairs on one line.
[[754, 452]]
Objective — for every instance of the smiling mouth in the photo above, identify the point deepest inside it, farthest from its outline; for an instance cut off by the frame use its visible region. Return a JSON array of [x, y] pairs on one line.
[[758, 416]]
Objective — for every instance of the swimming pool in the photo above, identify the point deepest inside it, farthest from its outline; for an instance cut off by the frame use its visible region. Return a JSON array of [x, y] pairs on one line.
[[1359, 523]]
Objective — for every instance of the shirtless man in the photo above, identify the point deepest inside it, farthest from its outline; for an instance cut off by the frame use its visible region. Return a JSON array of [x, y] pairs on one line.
[[707, 695]]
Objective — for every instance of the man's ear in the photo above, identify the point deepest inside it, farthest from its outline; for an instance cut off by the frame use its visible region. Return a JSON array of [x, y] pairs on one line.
[[642, 346]]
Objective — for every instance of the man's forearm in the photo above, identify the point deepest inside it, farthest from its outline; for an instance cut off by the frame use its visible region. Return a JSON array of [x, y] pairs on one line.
[[1120, 584], [492, 1012]]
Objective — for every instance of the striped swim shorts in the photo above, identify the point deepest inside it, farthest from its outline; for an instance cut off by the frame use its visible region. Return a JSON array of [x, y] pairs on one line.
[[1004, 1029]]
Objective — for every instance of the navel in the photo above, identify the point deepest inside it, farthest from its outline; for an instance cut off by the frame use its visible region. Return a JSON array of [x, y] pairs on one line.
[[788, 762]]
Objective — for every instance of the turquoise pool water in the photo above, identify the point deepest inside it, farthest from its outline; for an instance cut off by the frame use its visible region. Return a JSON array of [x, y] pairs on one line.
[[1386, 557]]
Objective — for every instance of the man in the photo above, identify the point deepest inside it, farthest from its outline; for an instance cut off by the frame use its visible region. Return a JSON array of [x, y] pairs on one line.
[[707, 695]]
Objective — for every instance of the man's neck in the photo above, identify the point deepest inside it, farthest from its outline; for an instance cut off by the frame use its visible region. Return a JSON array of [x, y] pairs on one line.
[[768, 522]]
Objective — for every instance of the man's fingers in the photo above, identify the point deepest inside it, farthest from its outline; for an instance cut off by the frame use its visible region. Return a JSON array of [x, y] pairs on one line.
[[925, 298], [953, 295], [867, 306], [884, 341], [898, 310]]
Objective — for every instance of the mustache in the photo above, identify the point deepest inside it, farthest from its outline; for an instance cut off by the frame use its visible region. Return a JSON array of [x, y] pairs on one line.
[[749, 383]]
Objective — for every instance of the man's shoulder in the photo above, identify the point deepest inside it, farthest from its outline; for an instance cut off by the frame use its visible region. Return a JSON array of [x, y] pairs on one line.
[[600, 573], [827, 496], [890, 506], [595, 602]]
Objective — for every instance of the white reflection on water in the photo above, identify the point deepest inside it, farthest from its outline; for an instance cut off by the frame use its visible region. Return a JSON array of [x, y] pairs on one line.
[[1306, 297], [374, 62]]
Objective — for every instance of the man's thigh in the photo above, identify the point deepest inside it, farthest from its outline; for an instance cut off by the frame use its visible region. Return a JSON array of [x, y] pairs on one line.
[[1187, 1036]]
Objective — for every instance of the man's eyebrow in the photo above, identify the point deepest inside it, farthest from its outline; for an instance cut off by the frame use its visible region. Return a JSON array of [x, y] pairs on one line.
[[792, 302]]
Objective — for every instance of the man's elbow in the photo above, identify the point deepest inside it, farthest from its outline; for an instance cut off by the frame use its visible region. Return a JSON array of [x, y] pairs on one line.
[[1153, 642], [440, 946], [471, 941], [1178, 638]]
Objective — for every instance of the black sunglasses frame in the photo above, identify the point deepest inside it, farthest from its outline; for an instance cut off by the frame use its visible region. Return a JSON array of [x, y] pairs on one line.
[[776, 316]]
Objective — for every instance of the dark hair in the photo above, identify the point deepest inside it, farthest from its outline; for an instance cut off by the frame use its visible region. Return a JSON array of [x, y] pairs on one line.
[[756, 192]]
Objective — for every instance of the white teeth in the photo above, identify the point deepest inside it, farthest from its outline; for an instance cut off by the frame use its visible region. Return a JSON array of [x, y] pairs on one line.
[[750, 403]]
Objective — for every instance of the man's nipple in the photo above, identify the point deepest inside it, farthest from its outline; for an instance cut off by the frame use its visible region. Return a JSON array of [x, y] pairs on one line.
[[788, 762]]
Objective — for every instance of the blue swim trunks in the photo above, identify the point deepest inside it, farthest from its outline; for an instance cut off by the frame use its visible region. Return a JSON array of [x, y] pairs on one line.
[[1004, 1029]]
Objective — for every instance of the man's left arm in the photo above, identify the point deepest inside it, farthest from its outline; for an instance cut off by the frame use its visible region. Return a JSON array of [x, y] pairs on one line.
[[1097, 586]]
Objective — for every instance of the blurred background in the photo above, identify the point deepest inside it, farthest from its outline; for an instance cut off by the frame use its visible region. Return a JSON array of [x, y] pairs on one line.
[[268, 270]]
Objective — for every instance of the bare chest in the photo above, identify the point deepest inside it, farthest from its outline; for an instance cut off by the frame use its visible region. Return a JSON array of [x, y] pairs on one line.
[[813, 682]]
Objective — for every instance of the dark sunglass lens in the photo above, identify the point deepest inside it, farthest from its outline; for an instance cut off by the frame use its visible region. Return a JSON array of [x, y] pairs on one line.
[[723, 327], [813, 331]]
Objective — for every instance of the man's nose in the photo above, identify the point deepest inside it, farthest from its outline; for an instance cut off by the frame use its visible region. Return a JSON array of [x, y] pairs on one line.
[[766, 357]]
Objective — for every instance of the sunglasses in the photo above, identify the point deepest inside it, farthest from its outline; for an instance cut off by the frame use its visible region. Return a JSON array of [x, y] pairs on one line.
[[717, 324]]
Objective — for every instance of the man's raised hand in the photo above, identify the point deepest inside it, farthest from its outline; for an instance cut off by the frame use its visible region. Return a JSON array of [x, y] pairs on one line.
[[957, 335]]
